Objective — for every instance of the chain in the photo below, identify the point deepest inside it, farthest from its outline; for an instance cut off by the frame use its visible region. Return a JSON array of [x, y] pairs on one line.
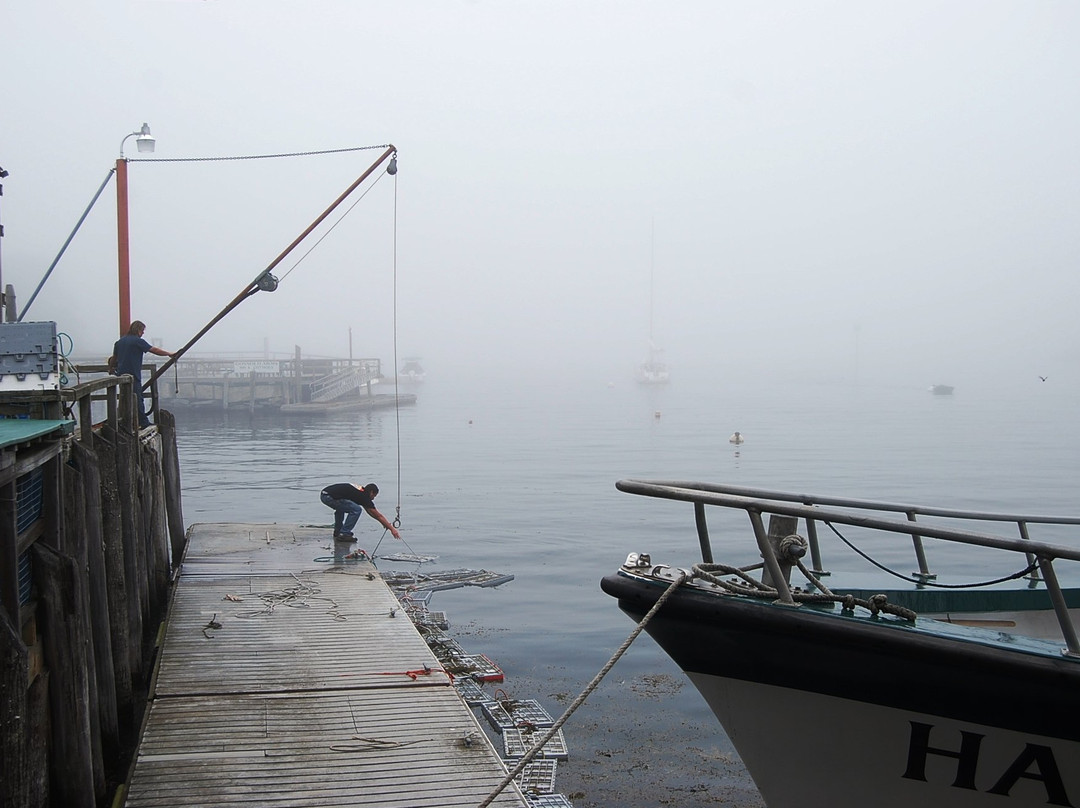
[[251, 156]]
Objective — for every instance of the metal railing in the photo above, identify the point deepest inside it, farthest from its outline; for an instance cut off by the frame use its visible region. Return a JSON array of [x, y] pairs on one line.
[[97, 385], [345, 381], [855, 512]]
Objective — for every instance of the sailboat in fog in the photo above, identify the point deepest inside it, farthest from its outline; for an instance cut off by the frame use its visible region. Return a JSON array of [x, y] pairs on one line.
[[653, 370]]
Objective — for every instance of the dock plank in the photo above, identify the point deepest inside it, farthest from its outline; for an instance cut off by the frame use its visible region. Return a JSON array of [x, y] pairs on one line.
[[300, 694], [314, 630]]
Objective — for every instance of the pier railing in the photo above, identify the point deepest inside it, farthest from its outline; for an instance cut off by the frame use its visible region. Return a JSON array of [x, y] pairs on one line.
[[344, 381], [251, 381], [90, 530]]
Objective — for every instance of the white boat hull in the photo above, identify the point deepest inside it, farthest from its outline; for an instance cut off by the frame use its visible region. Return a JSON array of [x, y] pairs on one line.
[[795, 756]]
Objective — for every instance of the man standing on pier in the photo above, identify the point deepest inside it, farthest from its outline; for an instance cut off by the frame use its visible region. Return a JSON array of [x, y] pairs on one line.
[[349, 500], [127, 359]]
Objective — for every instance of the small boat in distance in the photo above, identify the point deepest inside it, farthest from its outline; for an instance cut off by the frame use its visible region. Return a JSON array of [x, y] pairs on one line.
[[941, 389], [653, 370], [897, 709], [411, 370]]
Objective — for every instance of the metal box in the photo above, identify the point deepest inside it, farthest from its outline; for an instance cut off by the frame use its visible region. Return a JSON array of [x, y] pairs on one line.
[[28, 359]]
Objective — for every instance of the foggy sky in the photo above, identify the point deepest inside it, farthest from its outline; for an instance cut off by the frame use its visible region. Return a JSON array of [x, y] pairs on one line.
[[839, 188]]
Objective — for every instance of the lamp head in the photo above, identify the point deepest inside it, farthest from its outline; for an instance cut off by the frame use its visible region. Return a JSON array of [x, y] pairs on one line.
[[144, 140]]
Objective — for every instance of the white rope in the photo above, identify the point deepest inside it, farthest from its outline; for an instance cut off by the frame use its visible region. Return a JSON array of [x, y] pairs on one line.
[[584, 693]]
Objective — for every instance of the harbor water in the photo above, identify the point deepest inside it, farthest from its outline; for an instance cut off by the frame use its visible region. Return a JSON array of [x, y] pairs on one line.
[[517, 476]]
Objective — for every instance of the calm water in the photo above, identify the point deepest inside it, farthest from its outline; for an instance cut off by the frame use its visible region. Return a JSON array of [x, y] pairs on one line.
[[519, 478]]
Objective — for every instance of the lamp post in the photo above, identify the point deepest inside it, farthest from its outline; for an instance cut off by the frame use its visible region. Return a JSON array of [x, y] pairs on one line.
[[3, 298], [145, 142]]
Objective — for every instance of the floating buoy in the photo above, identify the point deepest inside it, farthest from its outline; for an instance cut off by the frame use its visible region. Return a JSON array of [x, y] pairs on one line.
[[656, 414], [737, 438]]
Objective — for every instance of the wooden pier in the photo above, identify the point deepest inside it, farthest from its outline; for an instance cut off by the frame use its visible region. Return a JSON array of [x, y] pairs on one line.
[[289, 675]]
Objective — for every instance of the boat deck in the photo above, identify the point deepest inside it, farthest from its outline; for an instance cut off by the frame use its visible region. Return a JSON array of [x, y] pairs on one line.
[[289, 675]]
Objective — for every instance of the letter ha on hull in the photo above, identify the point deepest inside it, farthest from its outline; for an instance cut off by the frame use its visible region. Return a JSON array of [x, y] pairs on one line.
[[876, 756]]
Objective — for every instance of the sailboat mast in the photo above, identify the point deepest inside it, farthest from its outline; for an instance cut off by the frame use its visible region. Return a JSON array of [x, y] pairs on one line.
[[652, 275]]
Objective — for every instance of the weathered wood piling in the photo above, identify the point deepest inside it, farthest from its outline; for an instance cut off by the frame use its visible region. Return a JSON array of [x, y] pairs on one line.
[[91, 527]]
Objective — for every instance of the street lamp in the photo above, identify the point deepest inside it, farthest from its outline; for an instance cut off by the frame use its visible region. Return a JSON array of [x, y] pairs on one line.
[[145, 143]]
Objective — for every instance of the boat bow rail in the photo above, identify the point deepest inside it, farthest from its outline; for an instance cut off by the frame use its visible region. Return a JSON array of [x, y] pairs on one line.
[[780, 555]]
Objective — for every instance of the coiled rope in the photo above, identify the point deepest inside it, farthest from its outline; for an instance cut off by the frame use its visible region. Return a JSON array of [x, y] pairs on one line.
[[753, 588], [550, 733], [303, 594]]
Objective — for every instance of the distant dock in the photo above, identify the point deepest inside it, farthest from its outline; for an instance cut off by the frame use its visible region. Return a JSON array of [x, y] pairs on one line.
[[358, 403], [288, 384], [288, 674]]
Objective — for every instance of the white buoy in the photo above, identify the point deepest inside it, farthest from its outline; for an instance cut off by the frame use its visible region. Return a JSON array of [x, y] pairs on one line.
[[737, 438]]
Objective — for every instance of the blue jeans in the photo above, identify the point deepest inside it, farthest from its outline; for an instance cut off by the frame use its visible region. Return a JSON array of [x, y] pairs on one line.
[[346, 512]]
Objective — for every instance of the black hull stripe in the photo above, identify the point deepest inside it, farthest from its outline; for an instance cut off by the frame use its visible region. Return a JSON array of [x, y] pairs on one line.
[[852, 658]]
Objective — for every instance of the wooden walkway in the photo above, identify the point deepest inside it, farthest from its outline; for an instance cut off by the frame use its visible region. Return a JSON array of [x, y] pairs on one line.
[[289, 676]]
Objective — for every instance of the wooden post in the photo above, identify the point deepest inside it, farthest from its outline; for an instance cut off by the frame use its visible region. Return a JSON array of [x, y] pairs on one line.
[[86, 462], [155, 401], [170, 463], [37, 755], [298, 376], [14, 717], [152, 507], [116, 577], [71, 767], [86, 420], [9, 553], [126, 417], [111, 407], [75, 541], [134, 551]]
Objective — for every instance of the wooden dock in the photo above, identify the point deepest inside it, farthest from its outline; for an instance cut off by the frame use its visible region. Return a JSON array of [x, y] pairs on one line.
[[290, 676]]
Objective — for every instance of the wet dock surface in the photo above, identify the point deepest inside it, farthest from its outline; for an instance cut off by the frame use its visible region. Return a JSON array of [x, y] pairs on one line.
[[289, 675]]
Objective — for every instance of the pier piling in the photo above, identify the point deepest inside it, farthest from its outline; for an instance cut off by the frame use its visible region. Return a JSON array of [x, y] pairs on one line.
[[89, 526]]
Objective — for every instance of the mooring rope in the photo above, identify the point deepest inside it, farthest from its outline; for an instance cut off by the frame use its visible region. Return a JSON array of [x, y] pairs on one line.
[[535, 750], [298, 596], [757, 589]]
